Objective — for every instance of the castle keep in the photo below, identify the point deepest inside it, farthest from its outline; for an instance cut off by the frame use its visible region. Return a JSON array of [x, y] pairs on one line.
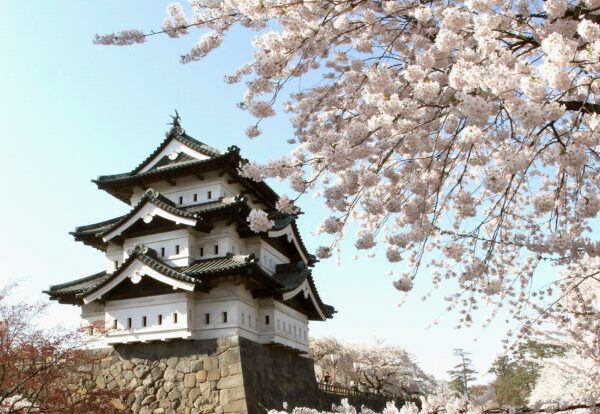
[[188, 289]]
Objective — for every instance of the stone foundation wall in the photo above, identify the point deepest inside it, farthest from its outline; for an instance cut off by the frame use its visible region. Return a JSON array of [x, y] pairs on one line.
[[187, 377], [228, 375]]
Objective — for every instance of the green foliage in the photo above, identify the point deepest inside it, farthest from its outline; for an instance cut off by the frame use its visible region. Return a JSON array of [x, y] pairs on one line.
[[517, 373], [463, 373]]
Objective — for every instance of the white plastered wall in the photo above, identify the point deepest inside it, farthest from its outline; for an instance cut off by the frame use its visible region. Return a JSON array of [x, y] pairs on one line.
[[246, 317], [187, 187], [167, 241]]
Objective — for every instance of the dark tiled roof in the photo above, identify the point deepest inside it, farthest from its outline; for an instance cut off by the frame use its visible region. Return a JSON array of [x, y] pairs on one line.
[[213, 206], [107, 179], [92, 233], [78, 286], [150, 198], [287, 277], [218, 265], [119, 185], [97, 227], [71, 292], [292, 275]]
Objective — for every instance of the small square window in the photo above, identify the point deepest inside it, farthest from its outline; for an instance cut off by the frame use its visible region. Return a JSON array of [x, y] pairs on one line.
[[216, 249], [162, 252], [207, 318], [195, 197], [209, 195], [128, 323], [267, 320], [177, 249], [144, 321], [180, 199], [202, 251], [160, 319], [224, 317], [115, 324], [174, 317]]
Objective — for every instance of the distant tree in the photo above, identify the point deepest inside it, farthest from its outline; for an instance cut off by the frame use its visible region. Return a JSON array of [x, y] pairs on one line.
[[516, 373], [42, 371], [463, 373]]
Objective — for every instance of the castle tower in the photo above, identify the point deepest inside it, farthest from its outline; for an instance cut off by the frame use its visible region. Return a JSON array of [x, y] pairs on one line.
[[183, 264]]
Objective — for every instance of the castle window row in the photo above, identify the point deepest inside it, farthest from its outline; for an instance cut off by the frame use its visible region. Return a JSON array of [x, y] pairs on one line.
[[207, 318], [144, 321], [195, 197], [163, 250], [215, 250], [289, 329]]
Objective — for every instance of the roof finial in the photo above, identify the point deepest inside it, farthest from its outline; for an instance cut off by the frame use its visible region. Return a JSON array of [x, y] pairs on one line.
[[176, 125]]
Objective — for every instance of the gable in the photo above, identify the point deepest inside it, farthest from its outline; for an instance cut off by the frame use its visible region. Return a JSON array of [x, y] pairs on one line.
[[147, 212], [173, 151], [136, 270]]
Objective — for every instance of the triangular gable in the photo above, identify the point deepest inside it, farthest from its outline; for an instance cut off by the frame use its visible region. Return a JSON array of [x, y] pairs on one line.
[[173, 150], [176, 143], [149, 207], [137, 267]]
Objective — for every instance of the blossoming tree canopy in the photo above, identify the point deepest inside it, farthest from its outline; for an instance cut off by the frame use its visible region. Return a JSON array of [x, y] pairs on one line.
[[467, 128]]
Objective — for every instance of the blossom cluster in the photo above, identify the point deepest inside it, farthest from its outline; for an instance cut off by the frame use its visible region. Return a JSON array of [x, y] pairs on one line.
[[259, 221]]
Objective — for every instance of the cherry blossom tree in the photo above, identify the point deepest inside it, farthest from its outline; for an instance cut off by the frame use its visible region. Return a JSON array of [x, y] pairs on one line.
[[378, 368], [469, 129], [44, 371], [573, 378]]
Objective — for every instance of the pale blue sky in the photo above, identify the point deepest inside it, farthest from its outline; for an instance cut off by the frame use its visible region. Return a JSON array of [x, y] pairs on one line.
[[70, 111]]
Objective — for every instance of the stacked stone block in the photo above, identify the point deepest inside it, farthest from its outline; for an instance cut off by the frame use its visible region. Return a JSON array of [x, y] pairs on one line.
[[199, 377]]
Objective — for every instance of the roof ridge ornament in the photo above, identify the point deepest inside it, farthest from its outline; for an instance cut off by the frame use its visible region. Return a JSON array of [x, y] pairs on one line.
[[176, 129], [138, 248], [151, 193]]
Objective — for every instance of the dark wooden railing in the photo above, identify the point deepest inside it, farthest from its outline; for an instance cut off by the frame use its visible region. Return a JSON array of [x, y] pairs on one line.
[[353, 392]]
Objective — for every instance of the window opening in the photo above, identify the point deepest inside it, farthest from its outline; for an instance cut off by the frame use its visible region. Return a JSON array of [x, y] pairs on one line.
[[174, 317], [128, 323], [216, 249], [224, 317], [180, 199], [177, 249], [160, 319], [267, 320], [207, 318], [144, 321]]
